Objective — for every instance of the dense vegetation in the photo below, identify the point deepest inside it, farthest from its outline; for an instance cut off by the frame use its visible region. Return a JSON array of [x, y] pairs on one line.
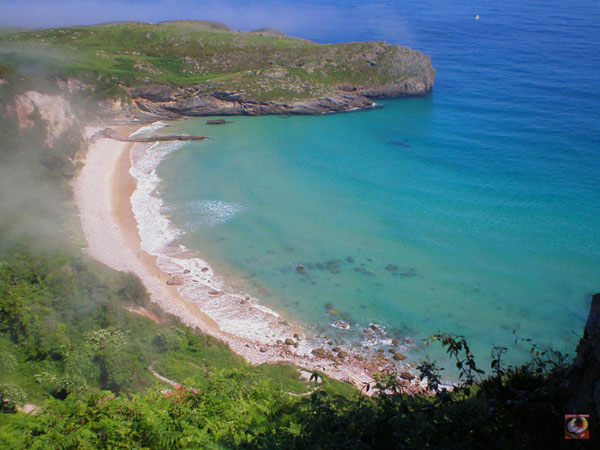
[[202, 55]]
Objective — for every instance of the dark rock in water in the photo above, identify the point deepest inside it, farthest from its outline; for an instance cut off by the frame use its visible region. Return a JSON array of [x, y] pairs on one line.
[[374, 327], [399, 144], [399, 357], [216, 122], [289, 341], [175, 281], [320, 266], [346, 318], [394, 342], [300, 269], [319, 352], [333, 312], [340, 324], [349, 259], [328, 306], [364, 271], [391, 267]]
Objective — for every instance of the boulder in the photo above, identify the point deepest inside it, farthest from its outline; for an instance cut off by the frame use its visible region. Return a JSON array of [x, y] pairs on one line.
[[176, 280], [319, 352], [289, 341]]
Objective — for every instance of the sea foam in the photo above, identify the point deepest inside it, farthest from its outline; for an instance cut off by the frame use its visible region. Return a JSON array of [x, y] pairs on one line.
[[234, 312]]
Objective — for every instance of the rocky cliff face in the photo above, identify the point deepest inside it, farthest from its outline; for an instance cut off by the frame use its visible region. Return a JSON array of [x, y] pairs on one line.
[[400, 71], [54, 110]]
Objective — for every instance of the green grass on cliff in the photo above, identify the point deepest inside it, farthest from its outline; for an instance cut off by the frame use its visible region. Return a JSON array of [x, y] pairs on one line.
[[187, 54]]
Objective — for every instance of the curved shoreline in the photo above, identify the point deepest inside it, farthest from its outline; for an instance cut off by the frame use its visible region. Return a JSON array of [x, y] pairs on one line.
[[102, 192]]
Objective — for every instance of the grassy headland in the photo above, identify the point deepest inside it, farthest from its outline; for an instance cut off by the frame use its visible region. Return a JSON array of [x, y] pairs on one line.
[[194, 58]]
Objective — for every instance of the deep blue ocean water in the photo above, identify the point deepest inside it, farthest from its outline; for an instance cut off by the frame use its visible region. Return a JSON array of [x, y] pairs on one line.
[[471, 210]]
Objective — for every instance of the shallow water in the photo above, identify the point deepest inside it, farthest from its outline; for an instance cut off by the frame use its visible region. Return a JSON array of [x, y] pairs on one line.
[[471, 210]]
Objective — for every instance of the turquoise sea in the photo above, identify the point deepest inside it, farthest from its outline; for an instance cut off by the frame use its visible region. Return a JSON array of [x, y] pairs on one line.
[[472, 210]]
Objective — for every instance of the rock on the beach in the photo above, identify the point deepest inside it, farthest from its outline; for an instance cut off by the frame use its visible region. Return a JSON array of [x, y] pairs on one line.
[[319, 352], [407, 376], [289, 341], [175, 281]]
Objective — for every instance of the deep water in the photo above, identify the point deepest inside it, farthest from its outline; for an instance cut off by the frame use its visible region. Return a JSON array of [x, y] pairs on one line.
[[471, 210]]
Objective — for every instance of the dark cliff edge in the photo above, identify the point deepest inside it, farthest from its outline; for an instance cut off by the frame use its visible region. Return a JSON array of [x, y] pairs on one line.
[[583, 378]]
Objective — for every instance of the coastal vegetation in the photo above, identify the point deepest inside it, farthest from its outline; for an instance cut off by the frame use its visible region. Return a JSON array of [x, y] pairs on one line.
[[87, 361], [209, 57]]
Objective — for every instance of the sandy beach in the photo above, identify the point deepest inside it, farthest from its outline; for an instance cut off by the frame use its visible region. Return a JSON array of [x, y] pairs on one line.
[[102, 192]]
